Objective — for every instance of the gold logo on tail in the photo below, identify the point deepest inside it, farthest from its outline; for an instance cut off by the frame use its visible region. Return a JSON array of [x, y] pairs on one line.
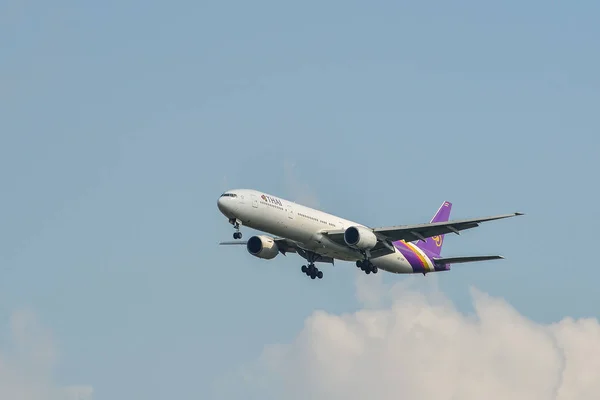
[[437, 240]]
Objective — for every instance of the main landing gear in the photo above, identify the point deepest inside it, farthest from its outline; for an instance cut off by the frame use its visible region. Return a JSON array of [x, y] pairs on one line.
[[312, 271], [366, 266], [236, 224]]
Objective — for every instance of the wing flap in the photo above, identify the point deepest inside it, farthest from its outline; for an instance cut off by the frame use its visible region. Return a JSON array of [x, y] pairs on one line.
[[286, 245]]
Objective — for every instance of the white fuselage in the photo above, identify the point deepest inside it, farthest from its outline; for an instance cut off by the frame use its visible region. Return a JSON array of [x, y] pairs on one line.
[[304, 225]]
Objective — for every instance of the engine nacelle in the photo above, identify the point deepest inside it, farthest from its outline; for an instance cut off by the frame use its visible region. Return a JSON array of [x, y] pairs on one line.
[[262, 247], [360, 238]]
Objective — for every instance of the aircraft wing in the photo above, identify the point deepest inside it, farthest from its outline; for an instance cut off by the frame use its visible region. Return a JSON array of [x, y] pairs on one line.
[[410, 233], [284, 245], [289, 246], [383, 247]]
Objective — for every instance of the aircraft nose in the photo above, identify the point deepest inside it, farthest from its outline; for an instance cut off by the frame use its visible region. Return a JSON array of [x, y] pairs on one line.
[[226, 206], [221, 205]]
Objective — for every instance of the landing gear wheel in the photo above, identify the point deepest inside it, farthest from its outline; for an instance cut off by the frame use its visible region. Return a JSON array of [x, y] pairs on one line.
[[236, 225], [312, 271], [366, 266]]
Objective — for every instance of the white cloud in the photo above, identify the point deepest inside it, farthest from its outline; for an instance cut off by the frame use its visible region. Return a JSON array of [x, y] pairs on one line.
[[418, 345], [27, 363]]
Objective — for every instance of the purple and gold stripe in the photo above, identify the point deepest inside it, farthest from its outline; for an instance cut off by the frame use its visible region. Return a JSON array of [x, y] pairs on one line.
[[413, 256]]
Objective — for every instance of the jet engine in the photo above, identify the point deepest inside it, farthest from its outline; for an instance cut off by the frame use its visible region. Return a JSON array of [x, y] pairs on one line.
[[262, 247], [360, 238]]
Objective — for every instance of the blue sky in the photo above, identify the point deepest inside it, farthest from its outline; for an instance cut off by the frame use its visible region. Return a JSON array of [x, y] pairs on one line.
[[122, 122]]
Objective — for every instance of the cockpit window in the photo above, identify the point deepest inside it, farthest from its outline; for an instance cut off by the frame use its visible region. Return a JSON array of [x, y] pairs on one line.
[[229, 195]]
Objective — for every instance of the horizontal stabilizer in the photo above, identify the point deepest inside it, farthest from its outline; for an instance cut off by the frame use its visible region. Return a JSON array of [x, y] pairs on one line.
[[457, 260]]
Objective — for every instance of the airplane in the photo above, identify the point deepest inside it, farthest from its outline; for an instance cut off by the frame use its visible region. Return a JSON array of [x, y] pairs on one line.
[[320, 237]]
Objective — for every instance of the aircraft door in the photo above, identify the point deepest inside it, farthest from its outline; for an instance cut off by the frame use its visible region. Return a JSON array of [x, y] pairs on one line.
[[290, 212], [254, 201]]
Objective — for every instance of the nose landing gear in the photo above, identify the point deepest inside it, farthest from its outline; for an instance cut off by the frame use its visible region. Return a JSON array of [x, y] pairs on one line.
[[236, 224]]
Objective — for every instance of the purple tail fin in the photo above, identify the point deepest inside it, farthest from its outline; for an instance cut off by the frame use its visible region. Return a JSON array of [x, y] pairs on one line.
[[433, 245]]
